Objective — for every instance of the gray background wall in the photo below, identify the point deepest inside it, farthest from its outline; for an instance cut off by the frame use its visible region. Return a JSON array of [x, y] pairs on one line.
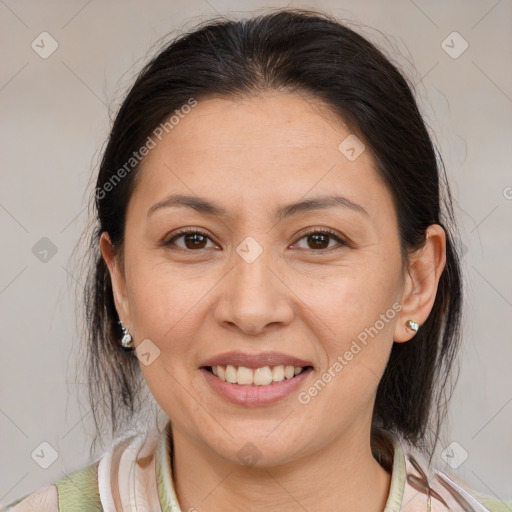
[[55, 117]]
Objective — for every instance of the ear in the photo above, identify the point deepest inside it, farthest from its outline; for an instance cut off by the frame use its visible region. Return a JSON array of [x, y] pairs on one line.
[[117, 278], [421, 281]]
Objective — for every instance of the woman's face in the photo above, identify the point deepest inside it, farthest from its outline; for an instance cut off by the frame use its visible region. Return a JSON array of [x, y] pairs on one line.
[[264, 277]]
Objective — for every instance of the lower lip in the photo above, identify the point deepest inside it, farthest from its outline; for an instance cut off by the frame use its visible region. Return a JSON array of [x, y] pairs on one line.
[[254, 396]]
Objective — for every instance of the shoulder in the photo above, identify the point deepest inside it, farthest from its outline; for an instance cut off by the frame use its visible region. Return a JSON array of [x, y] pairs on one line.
[[79, 487], [417, 486], [126, 470], [442, 491], [467, 497], [43, 499], [493, 504]]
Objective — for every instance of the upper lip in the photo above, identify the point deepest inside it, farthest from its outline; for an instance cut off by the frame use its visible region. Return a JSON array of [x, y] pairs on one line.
[[255, 360]]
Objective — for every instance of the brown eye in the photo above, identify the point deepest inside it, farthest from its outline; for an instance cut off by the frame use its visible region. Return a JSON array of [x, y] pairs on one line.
[[192, 240], [321, 240], [318, 240]]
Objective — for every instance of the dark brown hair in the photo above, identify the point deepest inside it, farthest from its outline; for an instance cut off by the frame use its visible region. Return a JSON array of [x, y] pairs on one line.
[[310, 53]]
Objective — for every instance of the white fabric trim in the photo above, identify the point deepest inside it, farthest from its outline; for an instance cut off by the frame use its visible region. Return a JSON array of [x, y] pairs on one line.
[[104, 485]]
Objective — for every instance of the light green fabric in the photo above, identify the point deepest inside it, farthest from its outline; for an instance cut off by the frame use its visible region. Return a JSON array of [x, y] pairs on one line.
[[78, 491], [167, 496], [493, 504]]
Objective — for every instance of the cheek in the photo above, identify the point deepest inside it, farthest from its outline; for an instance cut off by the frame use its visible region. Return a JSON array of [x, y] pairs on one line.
[[163, 297], [354, 312], [351, 298], [166, 309]]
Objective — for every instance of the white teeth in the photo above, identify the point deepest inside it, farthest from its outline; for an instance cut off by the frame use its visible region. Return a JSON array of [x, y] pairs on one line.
[[289, 372], [245, 375], [263, 376], [278, 373], [231, 374]]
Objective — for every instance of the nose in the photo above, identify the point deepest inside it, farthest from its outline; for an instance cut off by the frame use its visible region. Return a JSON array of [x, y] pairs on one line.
[[254, 297]]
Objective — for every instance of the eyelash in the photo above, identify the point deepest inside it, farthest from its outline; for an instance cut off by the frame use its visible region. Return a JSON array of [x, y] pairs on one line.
[[324, 231]]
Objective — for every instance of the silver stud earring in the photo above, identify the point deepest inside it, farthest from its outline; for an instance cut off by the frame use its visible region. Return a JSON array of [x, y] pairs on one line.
[[126, 340], [412, 325]]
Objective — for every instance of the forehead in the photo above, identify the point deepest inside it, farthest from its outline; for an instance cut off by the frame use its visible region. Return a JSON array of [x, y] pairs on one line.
[[267, 124], [273, 146]]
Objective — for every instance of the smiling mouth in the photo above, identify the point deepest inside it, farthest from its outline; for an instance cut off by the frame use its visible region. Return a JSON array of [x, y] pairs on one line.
[[264, 376]]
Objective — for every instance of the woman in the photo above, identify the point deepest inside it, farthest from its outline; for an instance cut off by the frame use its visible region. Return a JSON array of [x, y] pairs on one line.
[[273, 259]]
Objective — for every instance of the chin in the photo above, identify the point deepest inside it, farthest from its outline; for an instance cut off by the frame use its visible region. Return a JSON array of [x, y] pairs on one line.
[[259, 450]]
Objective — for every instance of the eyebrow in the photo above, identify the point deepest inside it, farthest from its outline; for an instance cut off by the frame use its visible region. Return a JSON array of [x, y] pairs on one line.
[[202, 205]]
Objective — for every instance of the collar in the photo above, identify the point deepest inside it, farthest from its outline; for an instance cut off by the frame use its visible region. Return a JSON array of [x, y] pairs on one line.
[[166, 494]]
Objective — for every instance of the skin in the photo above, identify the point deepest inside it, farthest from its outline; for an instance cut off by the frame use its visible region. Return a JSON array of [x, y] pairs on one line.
[[250, 156]]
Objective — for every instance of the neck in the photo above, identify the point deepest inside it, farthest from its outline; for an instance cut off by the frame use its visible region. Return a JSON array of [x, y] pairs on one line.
[[344, 476]]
